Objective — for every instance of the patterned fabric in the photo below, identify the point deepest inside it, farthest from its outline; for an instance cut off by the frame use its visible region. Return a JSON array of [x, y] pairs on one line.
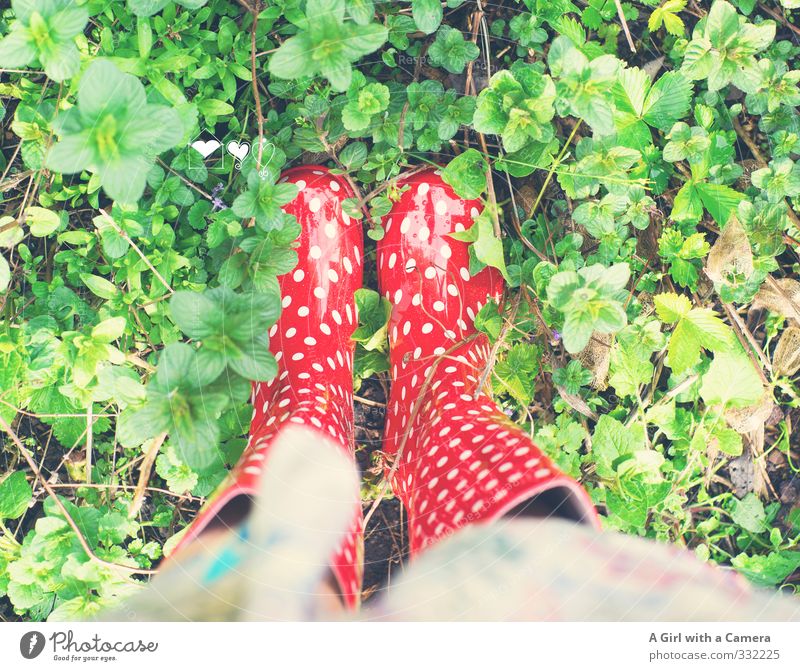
[[459, 457], [554, 570], [312, 344], [511, 569]]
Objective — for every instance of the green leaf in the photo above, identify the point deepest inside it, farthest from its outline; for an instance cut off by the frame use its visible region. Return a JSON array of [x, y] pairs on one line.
[[451, 51], [667, 15], [767, 570], [720, 200], [695, 329], [668, 101], [466, 173], [672, 307], [487, 248], [99, 286], [731, 381], [109, 330], [42, 222], [15, 496], [373, 319], [214, 108], [611, 440], [5, 273], [427, 14], [749, 513]]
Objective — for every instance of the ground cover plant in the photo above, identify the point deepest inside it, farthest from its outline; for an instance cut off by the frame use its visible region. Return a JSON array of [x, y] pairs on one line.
[[638, 162]]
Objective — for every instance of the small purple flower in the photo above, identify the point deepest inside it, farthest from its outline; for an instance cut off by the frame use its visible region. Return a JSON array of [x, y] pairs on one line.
[[556, 336], [216, 201]]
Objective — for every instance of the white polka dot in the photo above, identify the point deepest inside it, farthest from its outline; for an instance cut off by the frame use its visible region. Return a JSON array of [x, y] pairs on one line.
[[424, 233], [315, 205], [398, 295], [303, 311], [438, 306], [427, 328], [474, 212], [405, 225], [440, 207], [330, 230], [334, 185], [333, 276], [459, 227], [287, 301], [290, 332], [464, 273], [315, 252], [406, 327], [411, 264], [336, 317], [423, 188], [298, 275], [301, 184], [416, 299], [310, 341], [392, 260], [319, 292], [452, 289], [325, 328], [430, 272], [347, 265], [297, 356], [445, 251]]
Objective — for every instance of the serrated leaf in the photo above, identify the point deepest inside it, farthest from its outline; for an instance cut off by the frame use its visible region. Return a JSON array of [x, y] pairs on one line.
[[667, 101], [671, 307], [15, 495], [731, 380]]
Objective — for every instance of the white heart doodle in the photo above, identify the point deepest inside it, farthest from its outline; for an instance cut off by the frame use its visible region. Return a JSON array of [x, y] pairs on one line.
[[206, 148], [238, 150]]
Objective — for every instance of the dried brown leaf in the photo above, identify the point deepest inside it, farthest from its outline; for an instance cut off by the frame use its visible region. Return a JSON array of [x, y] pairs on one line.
[[596, 357], [786, 359], [730, 254], [781, 297], [751, 417]]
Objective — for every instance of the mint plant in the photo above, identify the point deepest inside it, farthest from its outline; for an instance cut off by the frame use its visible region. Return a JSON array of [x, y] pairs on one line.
[[724, 49], [113, 132], [45, 31], [590, 300], [326, 44]]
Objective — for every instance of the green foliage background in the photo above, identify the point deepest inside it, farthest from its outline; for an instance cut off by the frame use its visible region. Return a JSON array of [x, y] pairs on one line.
[[640, 177]]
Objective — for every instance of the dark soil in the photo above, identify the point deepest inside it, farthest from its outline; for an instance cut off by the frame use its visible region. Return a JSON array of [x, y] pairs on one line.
[[385, 540]]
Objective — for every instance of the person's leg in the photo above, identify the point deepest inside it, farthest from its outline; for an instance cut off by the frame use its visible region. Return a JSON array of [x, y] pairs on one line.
[[312, 343], [458, 458]]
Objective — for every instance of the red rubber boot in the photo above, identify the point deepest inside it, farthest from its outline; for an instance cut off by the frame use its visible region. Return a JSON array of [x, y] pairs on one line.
[[459, 457], [311, 341]]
